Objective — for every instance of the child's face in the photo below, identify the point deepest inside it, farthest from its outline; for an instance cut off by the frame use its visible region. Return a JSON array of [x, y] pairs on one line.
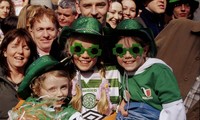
[[55, 87], [85, 53], [133, 56]]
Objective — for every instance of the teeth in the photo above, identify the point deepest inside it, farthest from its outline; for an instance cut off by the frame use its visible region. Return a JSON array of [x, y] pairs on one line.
[[85, 62], [18, 58], [128, 62]]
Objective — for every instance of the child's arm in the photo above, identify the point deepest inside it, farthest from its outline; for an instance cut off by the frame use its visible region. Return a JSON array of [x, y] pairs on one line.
[[122, 110], [173, 111]]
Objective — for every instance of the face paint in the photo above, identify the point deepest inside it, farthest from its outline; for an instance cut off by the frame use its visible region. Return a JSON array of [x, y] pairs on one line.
[[93, 51], [135, 50]]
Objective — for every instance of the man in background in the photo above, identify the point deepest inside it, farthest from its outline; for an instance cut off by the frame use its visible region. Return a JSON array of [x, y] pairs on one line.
[[66, 12]]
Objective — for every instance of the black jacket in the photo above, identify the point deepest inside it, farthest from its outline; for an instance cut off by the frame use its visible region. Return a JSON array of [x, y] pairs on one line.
[[8, 96]]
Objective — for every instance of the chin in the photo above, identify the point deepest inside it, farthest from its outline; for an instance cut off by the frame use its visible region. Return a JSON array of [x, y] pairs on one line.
[[129, 69], [84, 68]]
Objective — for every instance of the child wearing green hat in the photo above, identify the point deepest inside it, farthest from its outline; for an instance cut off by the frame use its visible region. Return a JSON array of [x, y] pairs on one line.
[[96, 85], [150, 89], [50, 86]]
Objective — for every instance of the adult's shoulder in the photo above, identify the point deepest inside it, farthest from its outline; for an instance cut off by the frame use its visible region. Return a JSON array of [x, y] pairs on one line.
[[181, 25]]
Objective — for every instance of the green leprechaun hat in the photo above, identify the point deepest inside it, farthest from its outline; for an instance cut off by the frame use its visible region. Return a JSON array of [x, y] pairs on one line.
[[38, 67], [130, 27], [82, 25]]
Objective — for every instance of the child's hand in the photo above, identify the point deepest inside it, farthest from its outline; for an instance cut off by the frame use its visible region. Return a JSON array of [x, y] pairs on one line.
[[122, 110]]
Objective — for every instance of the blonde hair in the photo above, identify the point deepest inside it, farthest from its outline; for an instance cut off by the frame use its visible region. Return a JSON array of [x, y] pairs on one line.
[[32, 13], [26, 13], [103, 103]]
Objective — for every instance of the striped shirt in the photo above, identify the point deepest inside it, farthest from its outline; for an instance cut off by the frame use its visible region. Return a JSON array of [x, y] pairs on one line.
[[90, 82]]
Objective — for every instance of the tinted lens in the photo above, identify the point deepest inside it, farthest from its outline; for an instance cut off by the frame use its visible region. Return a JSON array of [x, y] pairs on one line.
[[77, 49], [94, 51], [135, 50], [119, 50]]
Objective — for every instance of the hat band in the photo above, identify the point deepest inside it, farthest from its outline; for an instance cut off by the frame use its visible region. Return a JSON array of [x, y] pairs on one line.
[[90, 30]]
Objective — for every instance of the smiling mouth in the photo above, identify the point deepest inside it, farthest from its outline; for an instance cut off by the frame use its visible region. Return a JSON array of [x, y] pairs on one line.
[[84, 62], [182, 15], [19, 58]]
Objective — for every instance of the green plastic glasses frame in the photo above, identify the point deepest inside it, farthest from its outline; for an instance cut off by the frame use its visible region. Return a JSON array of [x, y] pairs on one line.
[[135, 50], [78, 49]]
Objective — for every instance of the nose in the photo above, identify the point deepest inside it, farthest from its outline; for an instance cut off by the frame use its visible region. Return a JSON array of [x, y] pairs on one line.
[[182, 7], [46, 33], [162, 1], [127, 55], [20, 49], [116, 16], [93, 10], [85, 55], [62, 16], [60, 93], [4, 9], [127, 12]]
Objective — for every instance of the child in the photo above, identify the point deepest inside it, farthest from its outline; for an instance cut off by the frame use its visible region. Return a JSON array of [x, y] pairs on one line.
[[50, 87], [95, 86], [150, 88]]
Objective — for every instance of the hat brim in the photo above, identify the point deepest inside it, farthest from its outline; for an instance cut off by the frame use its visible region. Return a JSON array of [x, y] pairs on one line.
[[193, 6], [67, 32], [142, 33]]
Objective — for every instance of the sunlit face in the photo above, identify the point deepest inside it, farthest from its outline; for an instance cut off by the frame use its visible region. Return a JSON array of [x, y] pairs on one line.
[[17, 54], [44, 32], [94, 8], [4, 9], [181, 11], [55, 87], [129, 9], [128, 61], [84, 61], [65, 16], [114, 15], [157, 6]]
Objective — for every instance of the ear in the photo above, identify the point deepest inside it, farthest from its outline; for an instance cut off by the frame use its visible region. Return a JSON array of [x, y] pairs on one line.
[[78, 7], [145, 52], [30, 31], [109, 4], [4, 53], [76, 16]]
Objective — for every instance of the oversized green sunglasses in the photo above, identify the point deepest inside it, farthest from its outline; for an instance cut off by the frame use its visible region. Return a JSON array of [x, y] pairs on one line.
[[135, 50], [78, 49]]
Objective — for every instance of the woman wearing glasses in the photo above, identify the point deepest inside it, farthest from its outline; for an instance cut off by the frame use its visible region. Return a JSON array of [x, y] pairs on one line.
[[150, 90], [96, 86]]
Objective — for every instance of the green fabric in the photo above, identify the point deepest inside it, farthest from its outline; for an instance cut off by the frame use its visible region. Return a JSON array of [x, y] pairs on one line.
[[130, 27], [82, 25], [38, 67], [172, 1], [160, 80], [42, 110]]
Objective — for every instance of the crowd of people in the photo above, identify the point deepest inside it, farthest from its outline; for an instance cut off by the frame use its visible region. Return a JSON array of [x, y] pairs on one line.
[[99, 59]]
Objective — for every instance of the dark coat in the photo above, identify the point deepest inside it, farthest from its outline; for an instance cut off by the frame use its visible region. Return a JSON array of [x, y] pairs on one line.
[[153, 21], [179, 46], [8, 96]]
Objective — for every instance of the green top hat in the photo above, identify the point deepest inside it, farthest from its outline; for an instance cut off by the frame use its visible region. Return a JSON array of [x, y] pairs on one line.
[[130, 27], [82, 25], [172, 3], [37, 68]]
